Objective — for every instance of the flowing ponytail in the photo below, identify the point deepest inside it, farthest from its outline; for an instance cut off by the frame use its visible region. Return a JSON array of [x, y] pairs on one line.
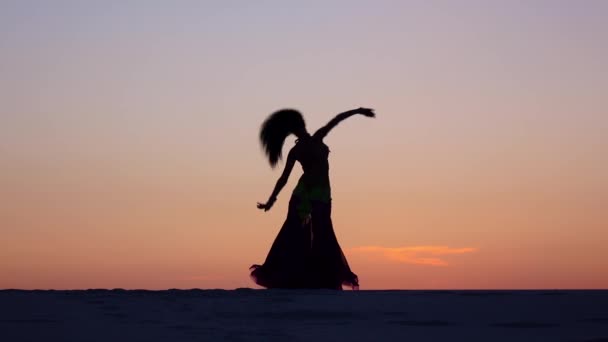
[[275, 130]]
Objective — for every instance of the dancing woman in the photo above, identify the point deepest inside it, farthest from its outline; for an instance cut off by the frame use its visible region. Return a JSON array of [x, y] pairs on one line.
[[305, 253]]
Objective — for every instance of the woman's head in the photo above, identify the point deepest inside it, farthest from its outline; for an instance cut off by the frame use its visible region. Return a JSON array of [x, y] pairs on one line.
[[276, 128]]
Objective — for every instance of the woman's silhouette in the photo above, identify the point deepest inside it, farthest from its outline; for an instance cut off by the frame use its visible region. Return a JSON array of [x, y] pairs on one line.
[[305, 253]]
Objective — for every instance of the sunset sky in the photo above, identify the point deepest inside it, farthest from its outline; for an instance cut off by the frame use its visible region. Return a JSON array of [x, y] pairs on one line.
[[129, 154]]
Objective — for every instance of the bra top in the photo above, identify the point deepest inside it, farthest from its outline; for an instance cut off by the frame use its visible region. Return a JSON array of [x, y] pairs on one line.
[[312, 153]]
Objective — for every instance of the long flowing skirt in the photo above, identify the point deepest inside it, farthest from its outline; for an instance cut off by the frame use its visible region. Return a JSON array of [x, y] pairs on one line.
[[305, 253]]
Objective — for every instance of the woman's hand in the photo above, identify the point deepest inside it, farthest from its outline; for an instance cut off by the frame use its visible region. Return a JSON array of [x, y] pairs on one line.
[[266, 206], [366, 111]]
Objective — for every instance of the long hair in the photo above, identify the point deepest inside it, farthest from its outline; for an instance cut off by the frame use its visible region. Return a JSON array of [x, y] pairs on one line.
[[275, 129]]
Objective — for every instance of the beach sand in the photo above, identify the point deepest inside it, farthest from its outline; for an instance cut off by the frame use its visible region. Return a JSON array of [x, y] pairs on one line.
[[303, 315]]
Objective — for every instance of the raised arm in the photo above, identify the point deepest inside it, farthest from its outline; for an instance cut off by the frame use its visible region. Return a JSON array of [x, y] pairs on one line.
[[291, 160], [322, 132]]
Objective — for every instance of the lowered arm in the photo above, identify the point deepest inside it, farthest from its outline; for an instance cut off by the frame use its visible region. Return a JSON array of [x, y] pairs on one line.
[[291, 160]]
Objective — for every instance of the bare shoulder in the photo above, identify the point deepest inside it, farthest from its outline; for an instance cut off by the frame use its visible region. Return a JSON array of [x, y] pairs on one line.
[[320, 133], [294, 152]]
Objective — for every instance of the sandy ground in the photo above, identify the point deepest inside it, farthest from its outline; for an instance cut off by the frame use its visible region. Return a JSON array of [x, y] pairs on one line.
[[278, 315]]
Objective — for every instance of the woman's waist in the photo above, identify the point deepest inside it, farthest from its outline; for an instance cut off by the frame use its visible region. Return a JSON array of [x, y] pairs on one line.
[[309, 181], [314, 188]]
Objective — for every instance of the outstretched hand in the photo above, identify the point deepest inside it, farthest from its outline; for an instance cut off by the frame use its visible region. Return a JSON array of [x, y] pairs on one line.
[[266, 206], [366, 111]]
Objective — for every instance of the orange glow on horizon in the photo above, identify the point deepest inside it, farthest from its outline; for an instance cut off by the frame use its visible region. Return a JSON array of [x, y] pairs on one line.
[[421, 255]]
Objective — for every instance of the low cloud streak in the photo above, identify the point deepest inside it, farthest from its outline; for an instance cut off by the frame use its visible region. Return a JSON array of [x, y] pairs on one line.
[[418, 255]]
